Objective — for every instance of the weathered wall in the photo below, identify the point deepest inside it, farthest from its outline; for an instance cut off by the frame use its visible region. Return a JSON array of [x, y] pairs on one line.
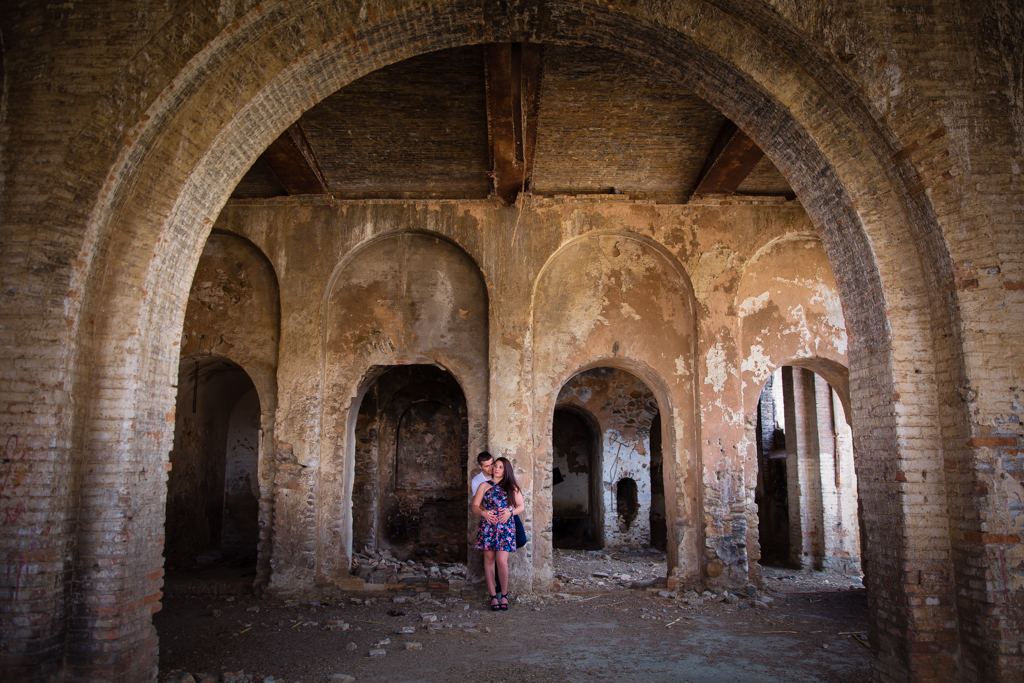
[[385, 289], [405, 297], [126, 126], [788, 313]]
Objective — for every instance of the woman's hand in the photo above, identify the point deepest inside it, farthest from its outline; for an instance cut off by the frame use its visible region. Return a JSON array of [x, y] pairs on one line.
[[506, 514]]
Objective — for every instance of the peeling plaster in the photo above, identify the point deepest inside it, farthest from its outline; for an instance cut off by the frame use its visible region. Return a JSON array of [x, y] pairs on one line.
[[717, 367], [752, 304], [758, 363]]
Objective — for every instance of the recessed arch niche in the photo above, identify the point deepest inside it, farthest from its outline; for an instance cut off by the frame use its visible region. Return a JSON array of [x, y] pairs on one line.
[[618, 300], [409, 493], [401, 299], [628, 481], [790, 315]]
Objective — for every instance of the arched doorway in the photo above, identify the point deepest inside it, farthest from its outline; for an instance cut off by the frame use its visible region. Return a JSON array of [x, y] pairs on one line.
[[806, 485], [608, 459], [409, 490], [212, 517]]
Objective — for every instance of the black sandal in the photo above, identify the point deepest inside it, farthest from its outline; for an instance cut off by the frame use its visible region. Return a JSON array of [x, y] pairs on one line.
[[494, 607], [503, 608]]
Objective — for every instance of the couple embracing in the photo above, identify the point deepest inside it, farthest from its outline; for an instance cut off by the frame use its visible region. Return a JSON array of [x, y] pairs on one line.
[[496, 499]]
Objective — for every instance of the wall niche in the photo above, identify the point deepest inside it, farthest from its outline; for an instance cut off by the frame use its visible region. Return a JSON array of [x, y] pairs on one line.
[[409, 494]]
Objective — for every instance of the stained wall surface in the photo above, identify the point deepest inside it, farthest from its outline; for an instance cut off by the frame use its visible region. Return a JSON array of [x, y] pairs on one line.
[[125, 126], [396, 304]]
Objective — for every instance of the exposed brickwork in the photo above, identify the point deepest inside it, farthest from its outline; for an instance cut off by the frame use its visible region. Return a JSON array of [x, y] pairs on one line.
[[126, 126]]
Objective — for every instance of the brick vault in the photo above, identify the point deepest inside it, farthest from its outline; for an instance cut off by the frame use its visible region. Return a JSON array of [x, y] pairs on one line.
[[375, 239]]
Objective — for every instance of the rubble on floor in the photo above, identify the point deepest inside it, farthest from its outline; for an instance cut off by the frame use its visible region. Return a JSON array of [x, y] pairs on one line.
[[609, 569], [381, 567]]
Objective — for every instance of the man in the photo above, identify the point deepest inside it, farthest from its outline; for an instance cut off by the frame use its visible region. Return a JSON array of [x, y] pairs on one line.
[[485, 461]]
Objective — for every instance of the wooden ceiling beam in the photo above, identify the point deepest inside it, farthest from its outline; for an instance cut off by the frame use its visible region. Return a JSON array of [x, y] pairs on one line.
[[294, 163], [513, 105], [731, 160]]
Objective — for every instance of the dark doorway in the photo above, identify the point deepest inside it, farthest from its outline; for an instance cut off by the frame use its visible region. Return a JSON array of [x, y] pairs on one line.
[[212, 526], [409, 492], [806, 484], [659, 525], [627, 502], [576, 503]]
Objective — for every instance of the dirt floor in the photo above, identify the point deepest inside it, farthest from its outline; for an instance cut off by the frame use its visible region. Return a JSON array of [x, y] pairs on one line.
[[608, 620]]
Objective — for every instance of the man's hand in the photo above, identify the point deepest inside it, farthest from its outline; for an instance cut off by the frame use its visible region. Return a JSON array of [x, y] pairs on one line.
[[506, 514], [491, 517]]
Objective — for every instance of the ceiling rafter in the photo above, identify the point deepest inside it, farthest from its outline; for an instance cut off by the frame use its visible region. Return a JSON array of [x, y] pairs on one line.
[[732, 158], [513, 104]]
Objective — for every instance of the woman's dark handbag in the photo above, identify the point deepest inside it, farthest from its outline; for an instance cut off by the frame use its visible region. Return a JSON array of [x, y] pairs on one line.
[[521, 538]]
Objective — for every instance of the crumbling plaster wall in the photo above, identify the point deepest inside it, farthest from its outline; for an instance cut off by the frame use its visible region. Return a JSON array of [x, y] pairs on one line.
[[397, 298], [619, 299], [234, 312], [624, 408], [900, 130], [585, 284], [789, 313]]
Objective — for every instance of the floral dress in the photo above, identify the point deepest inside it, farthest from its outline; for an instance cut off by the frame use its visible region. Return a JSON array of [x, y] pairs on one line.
[[501, 536]]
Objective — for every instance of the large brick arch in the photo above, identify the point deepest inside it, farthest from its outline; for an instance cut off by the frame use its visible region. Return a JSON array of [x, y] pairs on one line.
[[155, 205]]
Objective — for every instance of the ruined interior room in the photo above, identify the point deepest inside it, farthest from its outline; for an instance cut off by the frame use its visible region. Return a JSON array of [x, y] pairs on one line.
[[736, 282]]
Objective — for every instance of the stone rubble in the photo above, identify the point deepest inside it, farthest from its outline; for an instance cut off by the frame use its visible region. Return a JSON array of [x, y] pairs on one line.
[[381, 567]]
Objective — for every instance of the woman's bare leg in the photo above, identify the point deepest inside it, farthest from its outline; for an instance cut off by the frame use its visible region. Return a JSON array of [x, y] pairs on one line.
[[502, 562], [489, 570]]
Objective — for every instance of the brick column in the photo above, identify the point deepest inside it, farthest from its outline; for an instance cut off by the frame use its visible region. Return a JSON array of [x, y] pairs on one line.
[[803, 469], [829, 475], [848, 517]]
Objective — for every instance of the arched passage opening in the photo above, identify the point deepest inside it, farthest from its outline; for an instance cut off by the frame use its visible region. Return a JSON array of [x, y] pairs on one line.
[[612, 499], [212, 516], [806, 495], [576, 475], [409, 493]]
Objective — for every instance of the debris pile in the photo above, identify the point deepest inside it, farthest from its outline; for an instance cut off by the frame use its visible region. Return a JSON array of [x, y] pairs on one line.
[[382, 567]]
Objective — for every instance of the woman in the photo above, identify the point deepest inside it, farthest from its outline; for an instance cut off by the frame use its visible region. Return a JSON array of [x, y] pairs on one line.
[[497, 533]]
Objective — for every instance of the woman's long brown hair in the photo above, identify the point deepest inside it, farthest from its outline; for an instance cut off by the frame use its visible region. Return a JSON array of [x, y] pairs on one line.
[[508, 482]]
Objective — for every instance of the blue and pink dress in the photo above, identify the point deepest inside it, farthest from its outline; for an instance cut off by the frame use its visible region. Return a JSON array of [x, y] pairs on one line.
[[501, 536]]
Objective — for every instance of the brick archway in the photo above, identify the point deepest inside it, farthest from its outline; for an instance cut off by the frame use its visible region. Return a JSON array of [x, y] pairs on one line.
[[219, 111]]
